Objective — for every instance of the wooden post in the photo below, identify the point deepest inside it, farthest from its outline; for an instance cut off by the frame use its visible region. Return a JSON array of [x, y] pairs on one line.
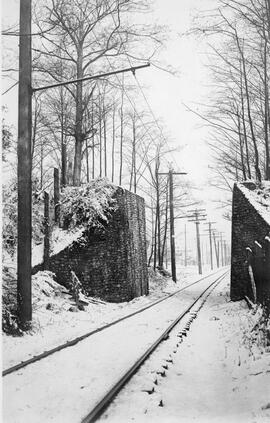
[[185, 245], [46, 251], [216, 249], [56, 198], [221, 250], [24, 248], [211, 246], [172, 235], [198, 245]]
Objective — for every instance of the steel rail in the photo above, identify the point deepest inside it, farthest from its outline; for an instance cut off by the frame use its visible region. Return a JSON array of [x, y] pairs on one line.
[[96, 412], [78, 339]]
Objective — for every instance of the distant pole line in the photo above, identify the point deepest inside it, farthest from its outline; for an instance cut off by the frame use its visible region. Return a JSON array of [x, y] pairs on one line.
[[197, 217], [210, 230]]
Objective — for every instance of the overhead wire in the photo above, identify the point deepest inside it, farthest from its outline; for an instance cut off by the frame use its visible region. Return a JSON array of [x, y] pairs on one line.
[[141, 89], [10, 88]]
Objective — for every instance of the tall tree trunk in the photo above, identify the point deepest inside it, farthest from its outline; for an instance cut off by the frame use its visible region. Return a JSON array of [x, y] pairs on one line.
[[241, 148], [244, 122], [63, 143], [93, 142], [121, 138], [87, 161], [165, 228], [41, 165], [256, 153], [134, 156], [78, 125], [158, 214], [155, 240], [266, 112], [152, 234], [105, 140], [100, 139], [113, 142]]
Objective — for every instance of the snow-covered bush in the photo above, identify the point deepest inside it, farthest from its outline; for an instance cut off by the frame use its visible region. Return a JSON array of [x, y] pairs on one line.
[[9, 217], [9, 301], [89, 205]]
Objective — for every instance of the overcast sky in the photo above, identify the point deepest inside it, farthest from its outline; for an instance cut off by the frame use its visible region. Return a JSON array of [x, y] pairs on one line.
[[168, 94]]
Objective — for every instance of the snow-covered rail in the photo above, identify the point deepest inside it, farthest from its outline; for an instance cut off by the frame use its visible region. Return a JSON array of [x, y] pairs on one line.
[[67, 385], [76, 340], [189, 314]]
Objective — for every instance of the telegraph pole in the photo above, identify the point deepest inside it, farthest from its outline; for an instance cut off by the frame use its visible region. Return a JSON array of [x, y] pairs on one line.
[[221, 249], [216, 245], [24, 247], [172, 238], [197, 218], [210, 241], [24, 228], [172, 233], [185, 245]]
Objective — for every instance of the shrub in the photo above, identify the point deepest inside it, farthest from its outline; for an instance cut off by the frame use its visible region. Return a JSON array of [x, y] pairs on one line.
[[89, 205], [9, 217]]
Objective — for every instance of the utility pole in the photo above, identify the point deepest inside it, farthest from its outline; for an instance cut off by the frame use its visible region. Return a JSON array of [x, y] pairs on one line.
[[172, 239], [185, 245], [216, 245], [209, 230], [24, 228], [221, 249], [198, 216], [56, 197], [172, 233], [24, 247]]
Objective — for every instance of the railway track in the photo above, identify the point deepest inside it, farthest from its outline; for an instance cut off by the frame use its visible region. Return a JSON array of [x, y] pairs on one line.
[[78, 339], [189, 314], [88, 372]]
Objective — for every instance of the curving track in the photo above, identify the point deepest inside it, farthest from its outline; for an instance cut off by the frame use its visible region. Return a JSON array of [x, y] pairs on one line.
[[74, 341], [107, 399], [71, 383]]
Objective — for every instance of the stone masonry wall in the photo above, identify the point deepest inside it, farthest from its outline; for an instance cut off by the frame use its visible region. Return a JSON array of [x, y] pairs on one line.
[[110, 263], [248, 226]]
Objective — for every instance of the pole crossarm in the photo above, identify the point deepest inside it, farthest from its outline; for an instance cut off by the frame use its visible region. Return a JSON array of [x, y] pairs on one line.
[[88, 78]]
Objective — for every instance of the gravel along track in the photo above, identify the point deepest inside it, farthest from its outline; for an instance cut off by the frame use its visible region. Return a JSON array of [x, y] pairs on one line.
[[67, 385]]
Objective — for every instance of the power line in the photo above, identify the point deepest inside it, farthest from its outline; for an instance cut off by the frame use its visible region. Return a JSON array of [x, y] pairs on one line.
[[152, 113], [140, 88], [10, 88]]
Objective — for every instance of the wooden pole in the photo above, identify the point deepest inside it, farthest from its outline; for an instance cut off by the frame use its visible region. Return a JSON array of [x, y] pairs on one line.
[[185, 245], [56, 197], [216, 249], [198, 245], [172, 235], [46, 251], [24, 248]]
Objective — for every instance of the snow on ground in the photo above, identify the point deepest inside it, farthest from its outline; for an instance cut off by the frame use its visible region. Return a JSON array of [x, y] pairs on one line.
[[54, 324], [220, 373], [65, 386]]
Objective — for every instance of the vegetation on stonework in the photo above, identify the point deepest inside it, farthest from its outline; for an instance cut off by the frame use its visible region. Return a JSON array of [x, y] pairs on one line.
[[89, 205], [9, 217]]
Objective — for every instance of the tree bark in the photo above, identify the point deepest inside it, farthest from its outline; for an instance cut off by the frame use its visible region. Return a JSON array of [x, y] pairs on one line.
[[78, 123]]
